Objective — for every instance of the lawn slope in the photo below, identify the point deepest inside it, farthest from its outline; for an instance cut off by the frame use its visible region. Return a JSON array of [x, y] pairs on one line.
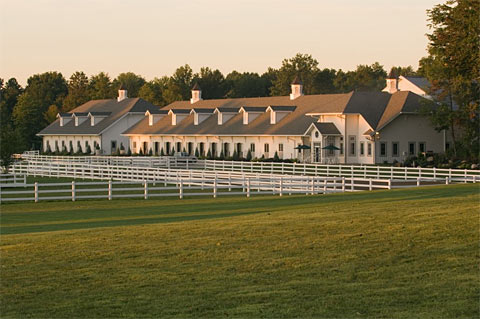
[[397, 254]]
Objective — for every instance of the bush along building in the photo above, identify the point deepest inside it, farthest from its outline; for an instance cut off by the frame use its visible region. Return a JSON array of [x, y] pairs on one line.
[[96, 126], [356, 127]]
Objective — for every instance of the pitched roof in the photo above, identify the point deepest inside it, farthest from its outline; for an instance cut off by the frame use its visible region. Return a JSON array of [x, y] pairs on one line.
[[375, 107], [203, 111], [158, 111], [196, 87], [254, 109], [116, 110], [400, 102], [297, 80], [327, 128], [419, 81], [228, 109]]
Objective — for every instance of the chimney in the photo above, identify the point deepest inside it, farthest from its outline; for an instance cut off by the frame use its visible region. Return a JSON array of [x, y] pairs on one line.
[[297, 88], [122, 93], [196, 93], [392, 83]]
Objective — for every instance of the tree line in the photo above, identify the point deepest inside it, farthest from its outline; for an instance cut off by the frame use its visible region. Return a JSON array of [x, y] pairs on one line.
[[26, 111]]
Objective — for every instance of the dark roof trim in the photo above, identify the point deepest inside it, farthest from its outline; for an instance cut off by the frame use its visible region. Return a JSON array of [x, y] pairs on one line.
[[254, 109], [157, 112], [327, 128], [100, 113], [80, 114], [180, 111], [64, 115], [202, 111], [227, 109], [282, 108]]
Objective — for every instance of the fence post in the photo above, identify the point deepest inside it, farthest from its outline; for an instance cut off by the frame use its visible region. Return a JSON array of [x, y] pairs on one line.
[[73, 191], [248, 187], [145, 189], [418, 181], [215, 187], [36, 192], [313, 186], [343, 184], [181, 189], [370, 184], [325, 185], [281, 184], [110, 190], [447, 180], [351, 184], [389, 184]]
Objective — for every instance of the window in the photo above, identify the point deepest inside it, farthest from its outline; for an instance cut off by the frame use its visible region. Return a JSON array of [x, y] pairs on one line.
[[63, 145], [156, 147], [214, 149], [266, 148], [56, 146], [145, 148], [202, 149], [113, 146], [239, 149], [362, 148], [280, 147], [353, 145], [179, 147], [316, 134], [167, 148], [395, 149], [383, 149], [190, 148], [369, 149], [447, 146], [226, 149], [252, 147], [134, 147], [421, 147], [411, 148], [341, 145]]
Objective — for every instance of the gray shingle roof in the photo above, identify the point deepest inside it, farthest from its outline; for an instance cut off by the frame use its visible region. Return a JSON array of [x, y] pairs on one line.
[[375, 107], [116, 110], [327, 128]]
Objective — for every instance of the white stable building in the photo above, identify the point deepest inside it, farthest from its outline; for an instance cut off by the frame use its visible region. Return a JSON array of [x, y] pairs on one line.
[[97, 122], [355, 127]]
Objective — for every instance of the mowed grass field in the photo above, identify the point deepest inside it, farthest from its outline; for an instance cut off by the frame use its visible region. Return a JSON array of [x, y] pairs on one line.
[[394, 254]]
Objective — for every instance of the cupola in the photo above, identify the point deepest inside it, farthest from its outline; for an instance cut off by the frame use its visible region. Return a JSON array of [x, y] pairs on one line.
[[122, 93], [297, 88], [196, 93], [392, 83]]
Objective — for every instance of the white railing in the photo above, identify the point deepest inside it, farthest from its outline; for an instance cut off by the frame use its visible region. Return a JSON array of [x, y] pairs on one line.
[[361, 171], [186, 187], [13, 179]]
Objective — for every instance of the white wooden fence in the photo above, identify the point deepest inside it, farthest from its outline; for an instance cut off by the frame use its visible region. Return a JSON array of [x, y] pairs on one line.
[[13, 179], [360, 171], [188, 186]]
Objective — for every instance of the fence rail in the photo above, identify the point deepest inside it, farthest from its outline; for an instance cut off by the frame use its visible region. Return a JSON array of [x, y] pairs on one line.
[[13, 179], [361, 171]]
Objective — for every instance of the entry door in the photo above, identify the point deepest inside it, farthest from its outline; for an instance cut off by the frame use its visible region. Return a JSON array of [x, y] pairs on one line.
[[317, 147]]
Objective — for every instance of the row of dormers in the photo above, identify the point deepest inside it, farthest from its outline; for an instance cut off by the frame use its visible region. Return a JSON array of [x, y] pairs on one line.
[[80, 117], [250, 113]]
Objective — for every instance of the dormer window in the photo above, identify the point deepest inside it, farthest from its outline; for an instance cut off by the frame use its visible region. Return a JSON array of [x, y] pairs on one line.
[[64, 118], [250, 113], [225, 113], [200, 115], [97, 117], [155, 115], [178, 115], [278, 112], [79, 118]]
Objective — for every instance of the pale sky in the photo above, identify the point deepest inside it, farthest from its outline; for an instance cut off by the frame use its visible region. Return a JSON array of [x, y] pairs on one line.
[[154, 37]]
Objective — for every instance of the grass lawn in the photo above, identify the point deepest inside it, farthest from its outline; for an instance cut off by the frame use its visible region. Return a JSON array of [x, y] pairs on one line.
[[397, 254]]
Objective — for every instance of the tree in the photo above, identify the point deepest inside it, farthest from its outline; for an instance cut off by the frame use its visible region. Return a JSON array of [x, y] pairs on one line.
[[131, 81], [453, 67], [100, 87], [152, 91], [42, 91], [303, 65], [51, 113], [212, 83], [179, 85], [246, 85], [405, 71], [8, 147], [323, 81], [78, 92], [9, 94]]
